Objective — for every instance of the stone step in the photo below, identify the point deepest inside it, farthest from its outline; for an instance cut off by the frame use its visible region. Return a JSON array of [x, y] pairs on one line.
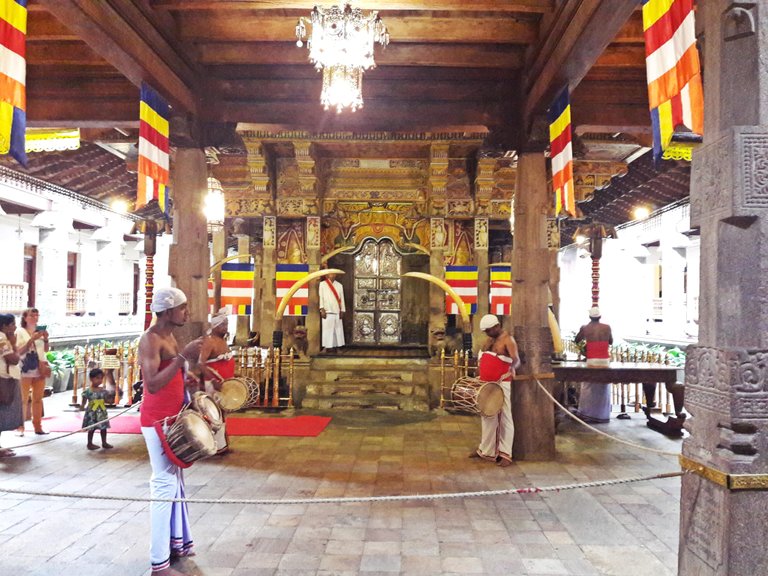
[[342, 363], [366, 377], [366, 401], [366, 387]]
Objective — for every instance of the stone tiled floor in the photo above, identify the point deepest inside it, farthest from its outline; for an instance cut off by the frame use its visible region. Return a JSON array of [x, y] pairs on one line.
[[616, 530]]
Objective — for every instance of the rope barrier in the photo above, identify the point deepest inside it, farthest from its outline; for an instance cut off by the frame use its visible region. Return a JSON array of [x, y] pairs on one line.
[[614, 438], [97, 424], [351, 500]]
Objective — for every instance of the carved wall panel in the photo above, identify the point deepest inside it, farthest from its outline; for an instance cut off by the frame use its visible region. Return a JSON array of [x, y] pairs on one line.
[[270, 231], [481, 233], [461, 241], [437, 233], [235, 207], [290, 242], [313, 232]]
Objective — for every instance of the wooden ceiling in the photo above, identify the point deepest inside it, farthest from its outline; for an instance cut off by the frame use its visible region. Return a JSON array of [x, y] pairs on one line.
[[450, 64]]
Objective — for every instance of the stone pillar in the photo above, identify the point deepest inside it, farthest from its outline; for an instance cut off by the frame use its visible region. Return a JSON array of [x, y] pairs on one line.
[[189, 258], [532, 411], [483, 280], [219, 236], [724, 503], [268, 304], [51, 284], [436, 268], [243, 324], [314, 260]]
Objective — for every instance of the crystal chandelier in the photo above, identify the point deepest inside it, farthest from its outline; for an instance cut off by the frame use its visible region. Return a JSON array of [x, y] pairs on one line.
[[341, 45]]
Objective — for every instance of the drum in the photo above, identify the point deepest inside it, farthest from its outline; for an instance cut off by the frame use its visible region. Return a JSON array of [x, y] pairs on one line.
[[477, 397], [238, 393], [190, 438], [206, 406]]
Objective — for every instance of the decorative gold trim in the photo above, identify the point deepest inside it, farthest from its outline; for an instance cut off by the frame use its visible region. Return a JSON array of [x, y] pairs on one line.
[[730, 481]]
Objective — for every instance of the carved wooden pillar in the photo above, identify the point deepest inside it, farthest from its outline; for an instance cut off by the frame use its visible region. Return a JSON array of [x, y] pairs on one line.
[[438, 179], [219, 241], [242, 325], [724, 503], [189, 260], [268, 304], [313, 256], [532, 411]]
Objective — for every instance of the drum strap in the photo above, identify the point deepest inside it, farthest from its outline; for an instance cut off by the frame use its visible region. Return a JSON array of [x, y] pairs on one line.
[[160, 428]]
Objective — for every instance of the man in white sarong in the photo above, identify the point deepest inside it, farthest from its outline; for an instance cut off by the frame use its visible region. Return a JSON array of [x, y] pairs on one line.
[[595, 399], [497, 363], [332, 312]]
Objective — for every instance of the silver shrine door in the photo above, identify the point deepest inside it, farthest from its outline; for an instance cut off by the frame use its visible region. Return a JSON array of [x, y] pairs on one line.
[[376, 314]]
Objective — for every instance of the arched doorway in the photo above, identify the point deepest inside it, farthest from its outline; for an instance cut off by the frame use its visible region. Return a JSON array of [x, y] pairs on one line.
[[376, 314]]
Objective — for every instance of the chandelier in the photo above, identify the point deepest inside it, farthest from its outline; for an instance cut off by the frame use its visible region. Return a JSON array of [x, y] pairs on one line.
[[341, 45]]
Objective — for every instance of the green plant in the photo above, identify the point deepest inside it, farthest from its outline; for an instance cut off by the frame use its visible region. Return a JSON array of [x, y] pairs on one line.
[[59, 361]]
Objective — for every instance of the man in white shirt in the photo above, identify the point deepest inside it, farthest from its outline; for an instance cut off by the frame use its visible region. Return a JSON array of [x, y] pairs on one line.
[[332, 311]]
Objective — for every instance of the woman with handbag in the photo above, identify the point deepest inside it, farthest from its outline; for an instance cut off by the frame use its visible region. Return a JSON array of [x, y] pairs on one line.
[[32, 344], [11, 415]]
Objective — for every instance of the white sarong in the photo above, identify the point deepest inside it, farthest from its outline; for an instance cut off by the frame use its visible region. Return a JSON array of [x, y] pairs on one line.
[[169, 521]]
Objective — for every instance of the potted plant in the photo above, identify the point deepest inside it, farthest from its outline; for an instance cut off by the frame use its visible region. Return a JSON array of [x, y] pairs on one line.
[[61, 363]]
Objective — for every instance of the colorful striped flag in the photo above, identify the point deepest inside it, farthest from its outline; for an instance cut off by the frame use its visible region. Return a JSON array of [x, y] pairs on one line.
[[675, 94], [13, 78], [559, 116], [501, 294], [463, 279], [237, 287], [211, 296], [285, 277], [154, 149]]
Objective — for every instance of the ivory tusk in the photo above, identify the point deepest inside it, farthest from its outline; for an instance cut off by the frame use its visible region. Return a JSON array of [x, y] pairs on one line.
[[448, 290], [299, 283]]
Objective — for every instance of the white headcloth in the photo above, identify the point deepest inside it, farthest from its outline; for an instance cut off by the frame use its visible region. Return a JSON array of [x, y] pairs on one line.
[[219, 318], [167, 298]]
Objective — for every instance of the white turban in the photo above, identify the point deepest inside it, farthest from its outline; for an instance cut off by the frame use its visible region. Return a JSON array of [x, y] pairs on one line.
[[594, 312], [167, 298], [219, 318]]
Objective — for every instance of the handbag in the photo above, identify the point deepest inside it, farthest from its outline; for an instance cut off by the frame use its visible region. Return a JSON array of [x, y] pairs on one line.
[[8, 387], [45, 370], [30, 362]]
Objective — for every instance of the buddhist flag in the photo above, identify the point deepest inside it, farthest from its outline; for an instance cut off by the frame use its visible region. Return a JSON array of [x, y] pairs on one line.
[[285, 277], [13, 78], [675, 93], [463, 279], [559, 116], [211, 296], [153, 149], [501, 294], [237, 287]]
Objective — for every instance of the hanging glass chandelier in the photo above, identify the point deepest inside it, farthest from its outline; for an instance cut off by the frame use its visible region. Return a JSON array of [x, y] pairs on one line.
[[341, 45]]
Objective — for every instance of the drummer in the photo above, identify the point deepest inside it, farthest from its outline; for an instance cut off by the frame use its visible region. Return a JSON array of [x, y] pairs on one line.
[[217, 363], [164, 370], [497, 362]]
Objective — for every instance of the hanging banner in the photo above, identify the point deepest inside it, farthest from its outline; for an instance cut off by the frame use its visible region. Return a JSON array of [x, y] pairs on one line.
[[501, 294], [237, 287], [286, 276], [463, 279]]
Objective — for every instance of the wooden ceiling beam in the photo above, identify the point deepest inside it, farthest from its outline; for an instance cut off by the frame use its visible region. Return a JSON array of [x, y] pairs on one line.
[[123, 35], [375, 115], [81, 111], [244, 27], [42, 26], [580, 32], [373, 87], [507, 6], [304, 71], [286, 53], [64, 53]]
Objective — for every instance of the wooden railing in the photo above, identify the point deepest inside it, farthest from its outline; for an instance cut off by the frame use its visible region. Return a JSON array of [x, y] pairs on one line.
[[75, 300], [12, 297]]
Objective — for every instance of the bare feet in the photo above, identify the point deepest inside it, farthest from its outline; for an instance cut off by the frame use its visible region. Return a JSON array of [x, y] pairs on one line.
[[6, 453], [92, 447], [168, 572], [474, 454], [503, 462], [106, 445]]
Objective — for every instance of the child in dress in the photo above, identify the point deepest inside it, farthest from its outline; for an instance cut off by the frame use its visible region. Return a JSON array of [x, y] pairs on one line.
[[96, 409]]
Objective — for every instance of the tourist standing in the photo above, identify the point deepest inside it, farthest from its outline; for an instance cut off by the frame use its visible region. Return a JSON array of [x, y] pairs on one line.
[[11, 414], [32, 344]]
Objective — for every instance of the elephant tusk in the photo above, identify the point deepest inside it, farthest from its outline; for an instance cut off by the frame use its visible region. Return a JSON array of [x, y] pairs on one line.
[[448, 290], [299, 283]]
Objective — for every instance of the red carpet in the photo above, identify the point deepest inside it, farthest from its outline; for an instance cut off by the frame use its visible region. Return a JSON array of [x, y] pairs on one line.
[[236, 425]]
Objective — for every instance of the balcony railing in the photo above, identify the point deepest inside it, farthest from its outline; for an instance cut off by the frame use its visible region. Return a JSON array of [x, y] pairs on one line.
[[75, 301], [126, 305], [13, 297]]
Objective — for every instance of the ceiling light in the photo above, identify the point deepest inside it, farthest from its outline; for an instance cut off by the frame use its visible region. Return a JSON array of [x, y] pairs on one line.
[[341, 43], [215, 206], [119, 205], [641, 213]]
